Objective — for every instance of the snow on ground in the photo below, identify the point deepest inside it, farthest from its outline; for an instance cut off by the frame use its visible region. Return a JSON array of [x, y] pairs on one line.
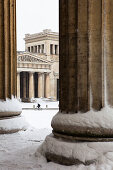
[[43, 102], [18, 150]]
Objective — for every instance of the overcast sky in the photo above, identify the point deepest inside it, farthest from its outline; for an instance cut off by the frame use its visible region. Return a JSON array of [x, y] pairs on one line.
[[33, 16]]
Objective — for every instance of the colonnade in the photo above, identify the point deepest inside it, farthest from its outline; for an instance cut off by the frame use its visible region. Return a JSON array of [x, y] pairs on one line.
[[41, 49], [32, 85], [36, 49], [54, 49]]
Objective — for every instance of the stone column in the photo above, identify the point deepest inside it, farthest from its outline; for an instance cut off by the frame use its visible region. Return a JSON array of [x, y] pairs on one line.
[[31, 85], [43, 84], [95, 52], [83, 63], [37, 48], [108, 47], [18, 85], [40, 48], [7, 49], [30, 49], [8, 68], [57, 49], [47, 85], [40, 86], [24, 85], [53, 49]]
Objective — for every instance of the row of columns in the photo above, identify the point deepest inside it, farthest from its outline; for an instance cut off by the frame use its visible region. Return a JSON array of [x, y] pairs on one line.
[[43, 85], [54, 49], [36, 49]]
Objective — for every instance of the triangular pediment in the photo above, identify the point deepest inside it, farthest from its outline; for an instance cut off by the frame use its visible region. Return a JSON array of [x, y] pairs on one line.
[[26, 57]]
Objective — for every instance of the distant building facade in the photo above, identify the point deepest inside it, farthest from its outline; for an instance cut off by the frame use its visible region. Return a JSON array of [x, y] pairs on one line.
[[38, 66]]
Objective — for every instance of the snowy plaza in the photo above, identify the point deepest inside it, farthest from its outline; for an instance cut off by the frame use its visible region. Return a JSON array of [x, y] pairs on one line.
[[18, 151]]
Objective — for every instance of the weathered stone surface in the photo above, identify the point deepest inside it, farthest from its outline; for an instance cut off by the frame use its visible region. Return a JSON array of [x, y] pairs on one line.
[[84, 131], [75, 138], [7, 114], [66, 161]]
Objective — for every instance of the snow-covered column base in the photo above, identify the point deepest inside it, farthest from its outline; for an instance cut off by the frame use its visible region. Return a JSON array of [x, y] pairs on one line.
[[87, 126], [74, 153], [12, 124], [10, 119], [74, 135]]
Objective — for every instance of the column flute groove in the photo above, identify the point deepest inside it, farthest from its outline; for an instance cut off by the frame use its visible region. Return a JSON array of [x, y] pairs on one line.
[[95, 52]]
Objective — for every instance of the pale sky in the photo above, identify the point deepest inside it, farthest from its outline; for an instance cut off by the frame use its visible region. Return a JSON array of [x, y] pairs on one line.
[[33, 16]]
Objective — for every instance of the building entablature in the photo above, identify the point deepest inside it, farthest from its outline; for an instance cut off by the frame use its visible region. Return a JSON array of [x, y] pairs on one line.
[[27, 62], [33, 70], [46, 34]]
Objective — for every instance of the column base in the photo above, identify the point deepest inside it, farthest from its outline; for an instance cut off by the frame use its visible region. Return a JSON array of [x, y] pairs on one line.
[[88, 125], [73, 153], [12, 124], [26, 100]]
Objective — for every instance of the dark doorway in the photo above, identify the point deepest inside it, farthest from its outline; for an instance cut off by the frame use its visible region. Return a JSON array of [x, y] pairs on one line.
[[36, 85], [21, 84], [24, 85]]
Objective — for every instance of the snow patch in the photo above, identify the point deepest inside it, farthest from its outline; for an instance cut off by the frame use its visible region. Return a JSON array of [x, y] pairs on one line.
[[10, 105]]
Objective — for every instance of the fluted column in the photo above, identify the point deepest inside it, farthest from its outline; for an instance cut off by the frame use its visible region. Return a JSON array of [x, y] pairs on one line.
[[8, 61], [24, 85], [18, 85], [43, 84], [31, 85], [47, 85], [8, 69], [108, 48], [40, 86], [86, 78], [53, 49]]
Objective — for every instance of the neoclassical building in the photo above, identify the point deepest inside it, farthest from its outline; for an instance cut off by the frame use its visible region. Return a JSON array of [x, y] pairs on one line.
[[38, 66]]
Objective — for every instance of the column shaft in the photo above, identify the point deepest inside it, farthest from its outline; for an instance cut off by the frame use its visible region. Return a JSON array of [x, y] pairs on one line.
[[31, 85], [7, 48], [68, 55], [43, 84], [40, 92], [24, 85], [109, 49], [18, 85], [95, 52], [82, 57], [47, 83]]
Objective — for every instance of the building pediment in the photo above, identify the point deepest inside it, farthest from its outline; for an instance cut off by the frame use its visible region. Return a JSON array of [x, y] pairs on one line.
[[30, 59]]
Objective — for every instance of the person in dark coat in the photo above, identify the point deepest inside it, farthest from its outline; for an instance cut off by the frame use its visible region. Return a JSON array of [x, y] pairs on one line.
[[38, 106]]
